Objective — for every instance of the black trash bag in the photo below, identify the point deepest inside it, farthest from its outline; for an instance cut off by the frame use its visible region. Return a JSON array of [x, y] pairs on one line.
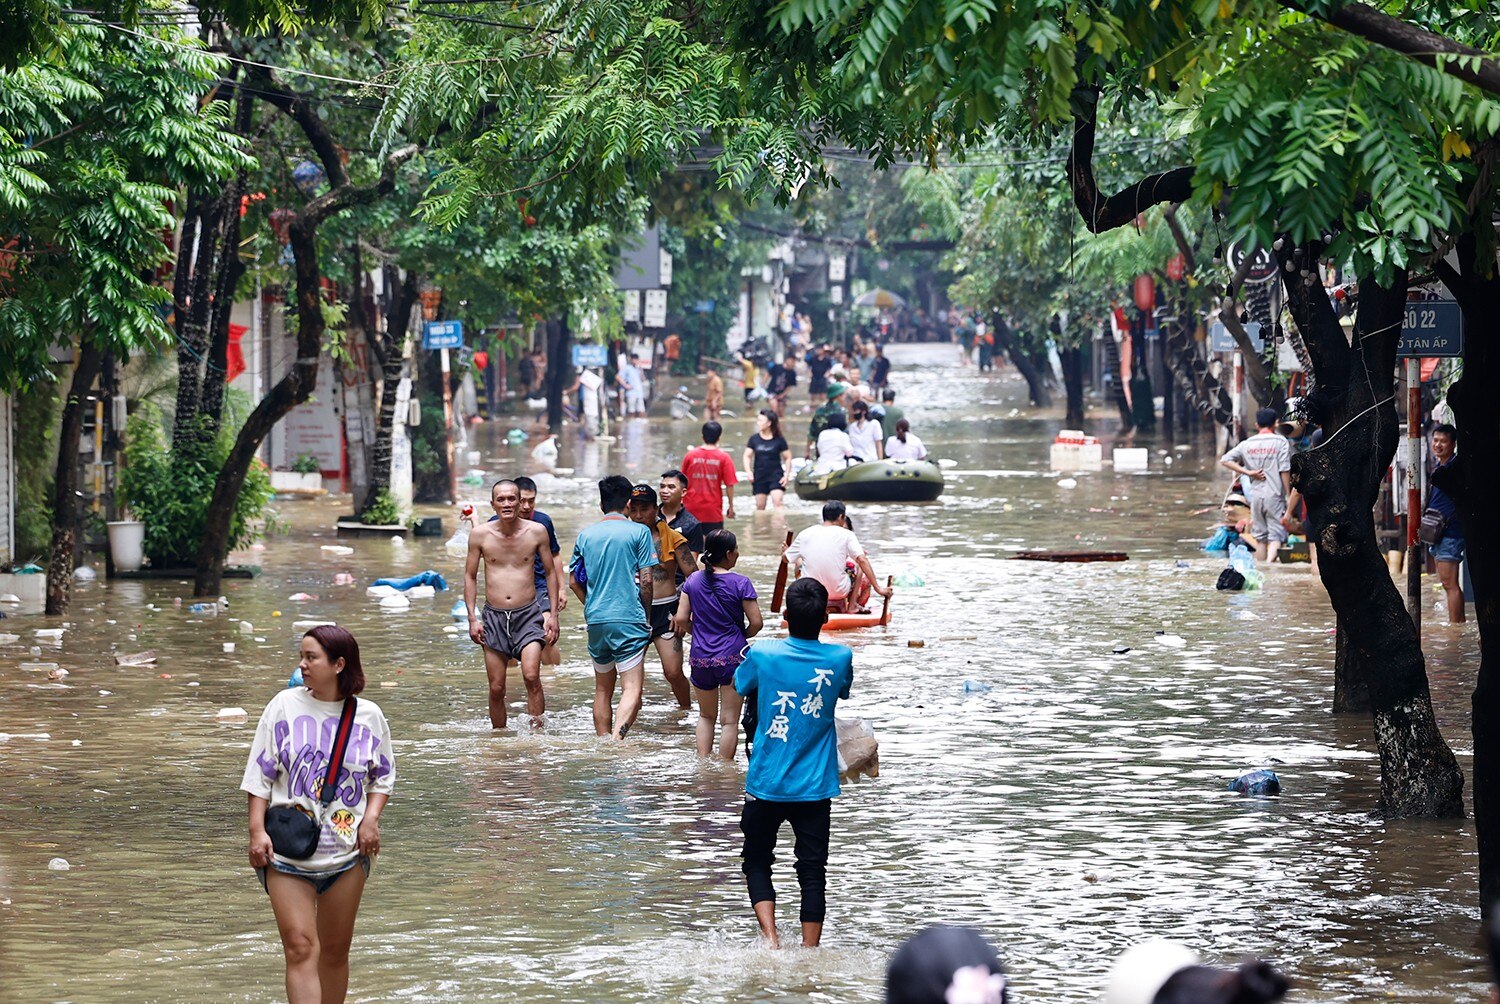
[[1230, 580]]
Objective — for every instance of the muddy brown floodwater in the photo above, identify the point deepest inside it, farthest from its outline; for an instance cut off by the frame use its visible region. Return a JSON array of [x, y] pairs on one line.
[[1065, 799]]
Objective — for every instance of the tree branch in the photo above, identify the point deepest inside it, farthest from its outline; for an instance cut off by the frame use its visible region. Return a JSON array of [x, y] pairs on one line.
[[335, 201], [1180, 236], [1410, 40], [1101, 214], [300, 110]]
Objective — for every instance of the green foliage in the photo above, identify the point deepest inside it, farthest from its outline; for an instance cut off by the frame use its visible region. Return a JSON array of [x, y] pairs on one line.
[[381, 510], [429, 457], [33, 27], [37, 410], [169, 490], [305, 463], [94, 142]]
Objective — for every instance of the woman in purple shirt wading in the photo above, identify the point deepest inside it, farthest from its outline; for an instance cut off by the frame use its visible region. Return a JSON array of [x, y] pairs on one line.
[[719, 609]]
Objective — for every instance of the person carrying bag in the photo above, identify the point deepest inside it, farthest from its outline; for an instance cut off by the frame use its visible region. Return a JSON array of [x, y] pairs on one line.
[[320, 771]]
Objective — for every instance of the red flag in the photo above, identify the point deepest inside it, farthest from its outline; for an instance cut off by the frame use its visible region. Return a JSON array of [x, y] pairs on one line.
[[234, 357]]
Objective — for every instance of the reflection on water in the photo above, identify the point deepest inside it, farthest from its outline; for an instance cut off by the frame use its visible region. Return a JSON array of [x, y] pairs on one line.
[[1065, 799]]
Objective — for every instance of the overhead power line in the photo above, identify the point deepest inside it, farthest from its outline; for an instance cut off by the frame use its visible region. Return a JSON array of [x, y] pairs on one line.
[[251, 62]]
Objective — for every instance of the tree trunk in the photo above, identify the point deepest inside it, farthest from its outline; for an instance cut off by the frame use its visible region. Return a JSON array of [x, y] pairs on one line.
[[290, 391], [1072, 365], [230, 269], [1036, 380], [67, 508], [1351, 686], [1341, 480], [559, 368], [298, 383], [197, 262], [1472, 482], [392, 359]]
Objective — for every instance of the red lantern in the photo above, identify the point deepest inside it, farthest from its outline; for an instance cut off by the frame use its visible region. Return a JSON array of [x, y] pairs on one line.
[[481, 360], [1176, 267], [1145, 293]]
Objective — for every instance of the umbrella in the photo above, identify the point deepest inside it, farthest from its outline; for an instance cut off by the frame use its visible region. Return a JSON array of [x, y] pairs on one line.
[[879, 298]]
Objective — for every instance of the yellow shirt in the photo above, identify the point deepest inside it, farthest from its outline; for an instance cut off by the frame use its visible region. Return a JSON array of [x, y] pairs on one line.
[[669, 540]]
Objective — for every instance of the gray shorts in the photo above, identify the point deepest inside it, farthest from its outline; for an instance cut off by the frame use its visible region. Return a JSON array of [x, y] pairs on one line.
[[508, 632], [1265, 517]]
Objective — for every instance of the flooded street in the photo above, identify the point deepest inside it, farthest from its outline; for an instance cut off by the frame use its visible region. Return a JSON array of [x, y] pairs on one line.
[[1065, 799]]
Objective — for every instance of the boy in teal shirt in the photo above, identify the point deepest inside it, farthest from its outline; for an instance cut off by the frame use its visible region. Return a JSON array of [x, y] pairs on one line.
[[794, 771], [611, 566]]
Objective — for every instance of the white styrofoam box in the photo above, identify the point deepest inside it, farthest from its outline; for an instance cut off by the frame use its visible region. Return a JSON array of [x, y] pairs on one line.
[[1133, 459], [1076, 457]]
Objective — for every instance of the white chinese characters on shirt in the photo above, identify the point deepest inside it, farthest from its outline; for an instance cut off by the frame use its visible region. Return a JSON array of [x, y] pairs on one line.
[[787, 701]]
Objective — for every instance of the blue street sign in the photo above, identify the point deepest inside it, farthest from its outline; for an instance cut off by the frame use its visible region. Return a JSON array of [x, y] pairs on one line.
[[590, 355], [1431, 328], [443, 335], [1220, 340]]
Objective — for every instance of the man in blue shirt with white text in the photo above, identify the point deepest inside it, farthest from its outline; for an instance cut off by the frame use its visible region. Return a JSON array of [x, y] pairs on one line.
[[794, 772]]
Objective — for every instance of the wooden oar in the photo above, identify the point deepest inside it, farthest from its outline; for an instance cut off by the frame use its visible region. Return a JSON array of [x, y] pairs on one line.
[[781, 573], [885, 608]]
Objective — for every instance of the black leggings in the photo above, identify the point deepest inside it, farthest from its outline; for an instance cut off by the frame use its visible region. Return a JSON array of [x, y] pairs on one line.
[[760, 822]]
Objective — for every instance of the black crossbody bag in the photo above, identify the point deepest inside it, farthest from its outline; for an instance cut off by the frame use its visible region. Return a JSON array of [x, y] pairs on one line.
[[294, 834]]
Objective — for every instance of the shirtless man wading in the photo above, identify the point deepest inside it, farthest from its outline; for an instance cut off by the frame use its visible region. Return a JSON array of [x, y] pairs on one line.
[[517, 623]]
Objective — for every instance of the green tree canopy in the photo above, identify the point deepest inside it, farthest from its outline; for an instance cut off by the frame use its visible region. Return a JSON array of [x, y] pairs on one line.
[[94, 147]]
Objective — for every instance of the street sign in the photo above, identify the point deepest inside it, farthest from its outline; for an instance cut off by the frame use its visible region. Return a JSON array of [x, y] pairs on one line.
[[1220, 340], [443, 335], [590, 355], [1262, 262], [1431, 328]]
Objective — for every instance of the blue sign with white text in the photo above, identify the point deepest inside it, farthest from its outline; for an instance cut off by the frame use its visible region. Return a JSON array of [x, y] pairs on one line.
[[590, 355], [443, 335], [1431, 328]]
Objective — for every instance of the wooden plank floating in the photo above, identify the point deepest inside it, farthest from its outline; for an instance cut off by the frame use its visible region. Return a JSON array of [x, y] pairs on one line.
[[1075, 556]]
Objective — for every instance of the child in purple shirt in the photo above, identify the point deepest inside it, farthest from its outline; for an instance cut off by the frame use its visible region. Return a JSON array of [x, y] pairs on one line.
[[719, 609]]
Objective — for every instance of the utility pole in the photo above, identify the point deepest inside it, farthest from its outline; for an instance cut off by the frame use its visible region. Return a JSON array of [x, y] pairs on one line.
[[1414, 492]]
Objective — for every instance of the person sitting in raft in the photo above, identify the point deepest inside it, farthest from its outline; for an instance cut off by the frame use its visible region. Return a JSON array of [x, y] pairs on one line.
[[865, 432], [904, 444], [833, 555], [835, 449]]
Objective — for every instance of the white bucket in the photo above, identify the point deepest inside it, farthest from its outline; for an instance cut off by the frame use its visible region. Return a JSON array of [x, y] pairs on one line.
[[127, 539]]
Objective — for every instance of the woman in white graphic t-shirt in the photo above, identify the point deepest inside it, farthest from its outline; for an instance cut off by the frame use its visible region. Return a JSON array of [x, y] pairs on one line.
[[315, 899]]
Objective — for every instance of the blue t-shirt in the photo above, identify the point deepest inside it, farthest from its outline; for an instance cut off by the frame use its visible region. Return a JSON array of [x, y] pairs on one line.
[[540, 572], [612, 552], [795, 684]]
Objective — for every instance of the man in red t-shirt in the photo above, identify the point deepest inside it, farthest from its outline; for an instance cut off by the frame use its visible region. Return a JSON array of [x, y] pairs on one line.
[[711, 479]]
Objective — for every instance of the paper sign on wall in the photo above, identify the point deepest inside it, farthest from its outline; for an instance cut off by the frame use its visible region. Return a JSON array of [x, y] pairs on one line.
[[656, 309]]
